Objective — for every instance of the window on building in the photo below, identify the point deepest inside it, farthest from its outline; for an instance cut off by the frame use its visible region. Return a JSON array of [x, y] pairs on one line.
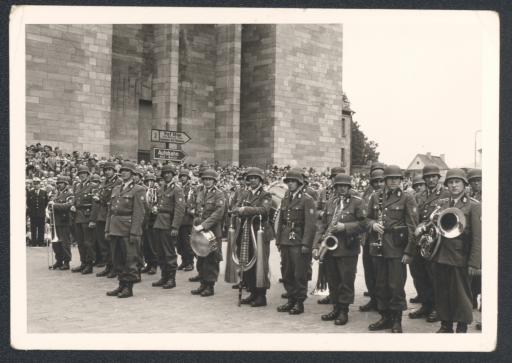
[[143, 155], [343, 131], [342, 156]]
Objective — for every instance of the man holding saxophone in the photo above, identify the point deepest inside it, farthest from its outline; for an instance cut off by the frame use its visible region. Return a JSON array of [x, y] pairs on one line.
[[253, 210], [392, 221], [343, 220]]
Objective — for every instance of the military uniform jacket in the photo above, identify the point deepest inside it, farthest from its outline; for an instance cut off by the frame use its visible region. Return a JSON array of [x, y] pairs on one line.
[[312, 193], [400, 217], [209, 210], [466, 249], [427, 201], [36, 203], [126, 211], [84, 193], [257, 204], [297, 220], [62, 203], [353, 216], [189, 195], [100, 205], [170, 206], [324, 196]]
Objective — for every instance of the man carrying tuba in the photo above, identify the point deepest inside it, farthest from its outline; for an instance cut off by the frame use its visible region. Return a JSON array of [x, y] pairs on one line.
[[343, 219], [253, 210], [459, 257]]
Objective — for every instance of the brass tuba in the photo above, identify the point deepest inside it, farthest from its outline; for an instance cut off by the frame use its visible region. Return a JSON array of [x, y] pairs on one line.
[[448, 223]]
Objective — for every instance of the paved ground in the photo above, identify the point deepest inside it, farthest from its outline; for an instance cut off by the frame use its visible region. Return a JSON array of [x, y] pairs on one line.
[[62, 302]]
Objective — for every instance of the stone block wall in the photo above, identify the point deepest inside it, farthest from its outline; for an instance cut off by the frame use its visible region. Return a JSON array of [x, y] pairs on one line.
[[68, 94], [308, 95], [257, 95]]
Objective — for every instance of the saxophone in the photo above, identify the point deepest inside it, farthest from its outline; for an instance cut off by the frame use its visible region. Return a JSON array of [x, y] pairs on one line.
[[329, 240]]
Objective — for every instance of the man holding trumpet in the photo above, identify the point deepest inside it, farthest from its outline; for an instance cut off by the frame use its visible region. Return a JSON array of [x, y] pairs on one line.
[[337, 245]]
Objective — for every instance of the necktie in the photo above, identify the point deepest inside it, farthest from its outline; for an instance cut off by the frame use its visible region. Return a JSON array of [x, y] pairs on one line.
[[390, 192], [452, 203]]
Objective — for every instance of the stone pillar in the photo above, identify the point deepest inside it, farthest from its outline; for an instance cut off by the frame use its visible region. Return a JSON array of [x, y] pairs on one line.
[[165, 77], [227, 94]]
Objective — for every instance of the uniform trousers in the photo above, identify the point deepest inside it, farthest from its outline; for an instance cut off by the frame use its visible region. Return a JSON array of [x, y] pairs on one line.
[[86, 247], [165, 247], [421, 273], [148, 246], [369, 270], [103, 250], [208, 267], [124, 258], [294, 270], [37, 230], [390, 274], [62, 248], [341, 274], [183, 247], [453, 293]]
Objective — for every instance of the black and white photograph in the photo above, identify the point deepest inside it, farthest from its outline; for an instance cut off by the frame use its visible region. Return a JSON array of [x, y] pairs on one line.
[[253, 179]]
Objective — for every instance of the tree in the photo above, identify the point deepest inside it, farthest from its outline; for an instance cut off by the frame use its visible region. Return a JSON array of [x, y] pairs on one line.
[[362, 149]]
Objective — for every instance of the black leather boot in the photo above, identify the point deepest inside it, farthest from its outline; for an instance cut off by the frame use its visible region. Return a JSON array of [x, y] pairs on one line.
[[188, 267], [397, 322], [146, 269], [446, 327], [336, 308], [249, 299], [420, 313], [56, 265], [284, 295], [152, 270], [324, 301], [370, 306], [385, 322], [199, 290], [127, 290], [65, 266], [461, 328], [105, 272], [286, 307], [79, 268], [87, 270], [116, 290], [260, 298], [433, 317], [208, 291], [195, 278], [181, 266], [297, 309], [171, 283], [163, 280], [343, 316]]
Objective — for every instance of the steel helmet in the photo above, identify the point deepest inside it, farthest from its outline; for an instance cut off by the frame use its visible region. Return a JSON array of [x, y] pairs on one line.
[[342, 179], [393, 171], [431, 170], [455, 174], [474, 173], [210, 174], [294, 174], [255, 172]]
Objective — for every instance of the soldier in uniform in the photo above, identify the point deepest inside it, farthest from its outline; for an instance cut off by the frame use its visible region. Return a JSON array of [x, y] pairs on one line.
[[103, 198], [61, 204], [95, 182], [209, 211], [392, 220], [307, 188], [124, 229], [345, 218], [420, 268], [84, 223], [170, 209], [184, 249], [376, 184], [418, 184], [295, 234], [256, 202], [458, 259], [37, 200], [148, 243]]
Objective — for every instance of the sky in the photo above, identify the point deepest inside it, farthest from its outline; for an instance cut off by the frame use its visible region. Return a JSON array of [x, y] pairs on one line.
[[415, 83]]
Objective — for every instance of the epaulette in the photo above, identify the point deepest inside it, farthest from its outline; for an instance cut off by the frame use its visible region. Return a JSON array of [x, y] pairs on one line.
[[442, 200], [474, 200], [356, 197]]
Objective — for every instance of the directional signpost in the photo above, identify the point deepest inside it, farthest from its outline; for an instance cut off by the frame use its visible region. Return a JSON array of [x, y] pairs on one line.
[[169, 137], [168, 154]]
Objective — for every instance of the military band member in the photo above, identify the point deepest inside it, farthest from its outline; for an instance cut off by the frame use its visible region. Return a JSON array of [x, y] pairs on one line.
[[256, 202], [184, 249], [84, 223], [393, 219], [420, 268], [458, 259], [345, 218], [104, 196], [376, 184], [209, 212], [295, 234], [95, 182], [148, 243], [61, 204], [124, 229], [169, 214], [418, 184]]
